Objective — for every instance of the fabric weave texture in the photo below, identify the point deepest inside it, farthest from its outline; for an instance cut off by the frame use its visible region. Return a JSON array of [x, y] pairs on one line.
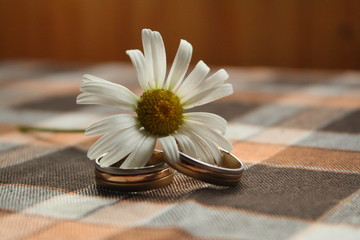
[[297, 131]]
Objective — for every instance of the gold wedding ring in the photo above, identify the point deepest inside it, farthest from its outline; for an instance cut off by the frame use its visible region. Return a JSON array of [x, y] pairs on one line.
[[228, 173], [155, 174]]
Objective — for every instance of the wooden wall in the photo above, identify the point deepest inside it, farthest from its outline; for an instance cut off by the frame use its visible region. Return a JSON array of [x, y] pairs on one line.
[[289, 33]]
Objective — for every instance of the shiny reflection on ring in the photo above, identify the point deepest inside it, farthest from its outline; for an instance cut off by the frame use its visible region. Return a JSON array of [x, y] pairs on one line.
[[154, 175]]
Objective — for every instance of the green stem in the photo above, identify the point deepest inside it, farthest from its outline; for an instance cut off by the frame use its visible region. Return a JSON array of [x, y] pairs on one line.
[[24, 128]]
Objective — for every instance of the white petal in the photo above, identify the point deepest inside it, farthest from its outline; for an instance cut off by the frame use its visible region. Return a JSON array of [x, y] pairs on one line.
[[110, 124], [216, 79], [106, 90], [179, 66], [91, 78], [125, 146], [206, 151], [203, 151], [158, 59], [142, 153], [111, 141], [194, 79], [147, 41], [208, 96], [90, 81], [210, 120], [208, 134], [155, 57], [170, 148], [186, 144], [212, 82], [138, 60], [101, 146], [114, 156], [111, 89], [211, 150], [90, 98]]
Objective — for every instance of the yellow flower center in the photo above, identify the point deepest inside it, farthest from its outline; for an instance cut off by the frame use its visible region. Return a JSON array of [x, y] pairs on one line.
[[159, 112]]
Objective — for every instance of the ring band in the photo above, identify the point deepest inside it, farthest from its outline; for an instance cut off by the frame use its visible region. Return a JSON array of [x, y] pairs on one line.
[[156, 174], [228, 173]]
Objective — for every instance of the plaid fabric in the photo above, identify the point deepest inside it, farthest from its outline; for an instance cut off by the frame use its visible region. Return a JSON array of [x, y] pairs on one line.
[[296, 131]]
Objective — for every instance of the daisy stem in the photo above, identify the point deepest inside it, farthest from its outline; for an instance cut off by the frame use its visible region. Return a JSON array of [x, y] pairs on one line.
[[24, 128]]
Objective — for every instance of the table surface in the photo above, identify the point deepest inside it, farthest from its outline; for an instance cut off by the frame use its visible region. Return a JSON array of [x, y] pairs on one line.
[[297, 131]]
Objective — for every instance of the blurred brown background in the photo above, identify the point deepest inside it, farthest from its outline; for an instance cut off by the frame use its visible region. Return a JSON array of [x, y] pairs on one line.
[[286, 33]]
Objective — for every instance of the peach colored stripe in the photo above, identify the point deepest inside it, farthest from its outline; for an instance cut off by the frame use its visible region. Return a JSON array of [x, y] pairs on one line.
[[52, 88], [310, 100], [255, 152], [76, 230], [252, 97], [125, 213], [296, 99], [318, 158], [143, 233], [15, 226]]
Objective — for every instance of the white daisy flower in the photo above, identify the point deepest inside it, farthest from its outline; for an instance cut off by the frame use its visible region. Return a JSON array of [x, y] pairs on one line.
[[159, 110]]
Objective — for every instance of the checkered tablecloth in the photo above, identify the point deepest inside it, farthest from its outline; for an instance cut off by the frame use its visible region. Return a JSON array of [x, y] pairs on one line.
[[297, 131]]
